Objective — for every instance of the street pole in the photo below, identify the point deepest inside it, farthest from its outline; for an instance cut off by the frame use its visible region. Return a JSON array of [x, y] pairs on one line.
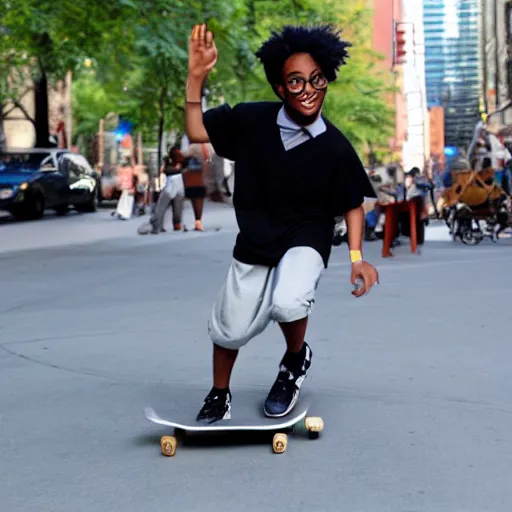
[[483, 43], [69, 114], [101, 134], [497, 57]]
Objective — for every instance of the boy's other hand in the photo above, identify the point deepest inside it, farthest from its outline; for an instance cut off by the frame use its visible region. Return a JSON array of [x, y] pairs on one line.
[[366, 275]]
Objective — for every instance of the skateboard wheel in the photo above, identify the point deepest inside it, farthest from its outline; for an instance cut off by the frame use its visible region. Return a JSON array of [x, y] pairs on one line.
[[279, 443], [168, 445], [314, 426]]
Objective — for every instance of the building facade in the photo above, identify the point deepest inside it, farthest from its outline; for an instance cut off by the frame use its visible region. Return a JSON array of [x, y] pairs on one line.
[[411, 140], [453, 65], [385, 12], [416, 151], [496, 51], [20, 132]]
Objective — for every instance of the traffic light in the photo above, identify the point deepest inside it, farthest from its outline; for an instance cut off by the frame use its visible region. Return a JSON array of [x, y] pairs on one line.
[[400, 42]]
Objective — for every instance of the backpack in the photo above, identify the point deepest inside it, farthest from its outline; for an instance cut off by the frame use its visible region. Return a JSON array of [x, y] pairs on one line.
[[198, 170]]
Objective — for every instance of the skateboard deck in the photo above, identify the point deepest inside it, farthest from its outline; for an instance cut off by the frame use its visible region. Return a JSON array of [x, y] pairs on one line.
[[246, 415]]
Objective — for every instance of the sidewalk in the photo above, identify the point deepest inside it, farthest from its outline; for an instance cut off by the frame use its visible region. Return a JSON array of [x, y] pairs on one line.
[[53, 231], [76, 229]]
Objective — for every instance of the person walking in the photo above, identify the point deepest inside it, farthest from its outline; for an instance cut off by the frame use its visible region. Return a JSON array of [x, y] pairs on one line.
[[124, 209], [172, 195], [199, 158]]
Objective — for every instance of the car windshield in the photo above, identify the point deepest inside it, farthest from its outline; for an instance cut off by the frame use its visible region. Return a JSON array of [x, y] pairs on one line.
[[24, 162]]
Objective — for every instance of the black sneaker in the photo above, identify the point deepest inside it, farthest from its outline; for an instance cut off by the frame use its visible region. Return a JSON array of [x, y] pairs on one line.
[[285, 392], [217, 406]]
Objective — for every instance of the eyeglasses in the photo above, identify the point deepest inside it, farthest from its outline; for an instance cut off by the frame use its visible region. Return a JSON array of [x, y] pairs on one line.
[[296, 84]]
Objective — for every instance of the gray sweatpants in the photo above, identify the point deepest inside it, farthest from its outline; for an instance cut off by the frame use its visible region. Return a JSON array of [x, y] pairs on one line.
[[254, 295], [171, 195]]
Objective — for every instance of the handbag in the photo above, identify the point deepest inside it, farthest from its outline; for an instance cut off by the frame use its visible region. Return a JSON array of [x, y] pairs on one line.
[[198, 170]]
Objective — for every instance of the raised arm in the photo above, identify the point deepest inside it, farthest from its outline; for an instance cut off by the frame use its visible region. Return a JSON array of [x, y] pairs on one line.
[[202, 56]]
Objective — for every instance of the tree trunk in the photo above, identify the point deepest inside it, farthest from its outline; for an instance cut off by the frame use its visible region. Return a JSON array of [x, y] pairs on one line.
[[252, 16], [42, 124], [160, 136], [3, 140], [161, 124]]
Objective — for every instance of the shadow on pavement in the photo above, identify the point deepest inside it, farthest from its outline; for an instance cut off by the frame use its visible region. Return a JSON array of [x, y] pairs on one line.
[[215, 440]]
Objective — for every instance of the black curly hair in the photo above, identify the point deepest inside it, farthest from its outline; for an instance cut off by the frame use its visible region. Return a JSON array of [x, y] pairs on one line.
[[322, 42]]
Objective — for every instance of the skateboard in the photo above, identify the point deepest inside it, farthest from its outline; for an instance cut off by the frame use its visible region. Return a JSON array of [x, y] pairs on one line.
[[246, 415]]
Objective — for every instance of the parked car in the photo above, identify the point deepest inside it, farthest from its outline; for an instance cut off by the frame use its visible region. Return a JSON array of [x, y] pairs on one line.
[[32, 180]]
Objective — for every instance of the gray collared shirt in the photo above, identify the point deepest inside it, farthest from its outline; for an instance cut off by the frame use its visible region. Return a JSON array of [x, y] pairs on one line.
[[292, 135]]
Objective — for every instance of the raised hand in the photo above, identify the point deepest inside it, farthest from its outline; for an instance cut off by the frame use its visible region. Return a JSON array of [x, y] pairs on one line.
[[202, 52]]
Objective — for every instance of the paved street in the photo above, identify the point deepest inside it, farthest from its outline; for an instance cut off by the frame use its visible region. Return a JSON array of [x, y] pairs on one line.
[[413, 381]]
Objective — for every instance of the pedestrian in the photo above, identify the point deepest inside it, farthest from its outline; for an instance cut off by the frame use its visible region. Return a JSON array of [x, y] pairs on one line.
[[198, 157], [126, 201], [172, 195], [141, 189], [295, 173]]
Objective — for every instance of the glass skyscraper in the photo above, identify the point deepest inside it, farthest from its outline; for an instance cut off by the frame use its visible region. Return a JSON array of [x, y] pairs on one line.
[[452, 65]]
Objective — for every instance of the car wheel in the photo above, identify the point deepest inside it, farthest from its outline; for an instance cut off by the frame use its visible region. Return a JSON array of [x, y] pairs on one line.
[[17, 213], [61, 209], [35, 209], [90, 206]]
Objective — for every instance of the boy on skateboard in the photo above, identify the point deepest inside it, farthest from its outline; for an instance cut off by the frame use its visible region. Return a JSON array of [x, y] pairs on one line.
[[295, 172]]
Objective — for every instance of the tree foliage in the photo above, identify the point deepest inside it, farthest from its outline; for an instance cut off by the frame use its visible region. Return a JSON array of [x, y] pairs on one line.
[[356, 103], [56, 36], [47, 39], [137, 56]]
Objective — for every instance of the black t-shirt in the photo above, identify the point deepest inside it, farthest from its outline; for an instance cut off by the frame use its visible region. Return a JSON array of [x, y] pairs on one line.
[[284, 199]]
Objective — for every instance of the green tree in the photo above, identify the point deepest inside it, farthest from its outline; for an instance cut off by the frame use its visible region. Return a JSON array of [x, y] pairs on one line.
[[138, 49], [154, 79], [92, 101], [55, 37], [357, 102], [13, 71]]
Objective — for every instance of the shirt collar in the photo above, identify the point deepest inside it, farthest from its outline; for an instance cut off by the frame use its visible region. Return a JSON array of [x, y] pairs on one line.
[[285, 123]]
